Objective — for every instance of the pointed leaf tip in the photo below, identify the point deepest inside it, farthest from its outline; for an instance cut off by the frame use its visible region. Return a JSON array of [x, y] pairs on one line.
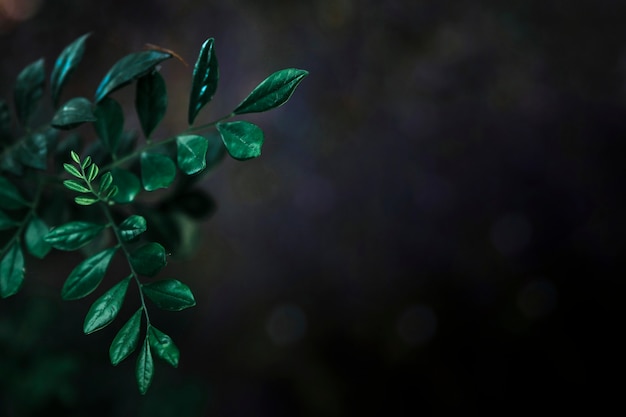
[[272, 92], [205, 79]]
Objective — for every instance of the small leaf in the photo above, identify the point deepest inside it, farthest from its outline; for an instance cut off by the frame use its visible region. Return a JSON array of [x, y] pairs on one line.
[[205, 78], [75, 157], [127, 69], [33, 151], [128, 185], [157, 171], [150, 101], [65, 65], [169, 294], [274, 91], [10, 198], [112, 192], [86, 277], [85, 201], [104, 310], [132, 227], [86, 162], [73, 113], [125, 341], [28, 90], [75, 186], [105, 182], [148, 259], [36, 230], [163, 346], [6, 222], [11, 271], [110, 123], [93, 173], [243, 140], [191, 153], [73, 235], [145, 367], [5, 121], [72, 170]]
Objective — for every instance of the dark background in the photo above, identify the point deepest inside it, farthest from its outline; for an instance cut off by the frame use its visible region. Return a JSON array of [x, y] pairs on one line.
[[435, 224]]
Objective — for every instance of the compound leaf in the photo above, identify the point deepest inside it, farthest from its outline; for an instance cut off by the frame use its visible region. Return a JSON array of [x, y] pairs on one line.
[[132, 227], [28, 90], [128, 185], [145, 367], [274, 91], [148, 259], [150, 101], [73, 113], [110, 123], [73, 235], [163, 346], [36, 230], [125, 341], [104, 310], [10, 198], [191, 153], [169, 294], [157, 171], [128, 69], [65, 65], [86, 277], [205, 78], [11, 271], [243, 140]]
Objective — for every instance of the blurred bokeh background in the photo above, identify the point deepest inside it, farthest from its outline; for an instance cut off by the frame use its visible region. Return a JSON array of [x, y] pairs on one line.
[[435, 224]]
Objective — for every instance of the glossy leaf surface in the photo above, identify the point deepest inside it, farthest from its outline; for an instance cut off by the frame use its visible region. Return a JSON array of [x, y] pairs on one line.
[[145, 367], [205, 78], [243, 140], [125, 341], [169, 294], [274, 91], [10, 198], [148, 259], [163, 346], [73, 235], [86, 277], [110, 123], [128, 69], [151, 101], [73, 113], [28, 90], [191, 153], [132, 227], [157, 171], [7, 222], [65, 65], [11, 271], [34, 238], [104, 310], [128, 185]]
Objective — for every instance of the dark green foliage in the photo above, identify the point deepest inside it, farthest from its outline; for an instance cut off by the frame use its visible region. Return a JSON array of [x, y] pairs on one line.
[[94, 194]]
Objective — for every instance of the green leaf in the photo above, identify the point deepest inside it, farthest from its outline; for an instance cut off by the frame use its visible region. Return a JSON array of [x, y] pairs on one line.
[[28, 90], [9, 162], [73, 235], [6, 222], [72, 170], [274, 91], [205, 78], [145, 367], [150, 101], [5, 121], [65, 65], [157, 171], [75, 157], [128, 185], [36, 230], [163, 346], [127, 69], [191, 153], [169, 294], [243, 140], [33, 151], [125, 341], [10, 198], [93, 172], [85, 201], [11, 271], [148, 259], [75, 186], [110, 123], [86, 277], [104, 310], [132, 227], [105, 182], [73, 113]]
